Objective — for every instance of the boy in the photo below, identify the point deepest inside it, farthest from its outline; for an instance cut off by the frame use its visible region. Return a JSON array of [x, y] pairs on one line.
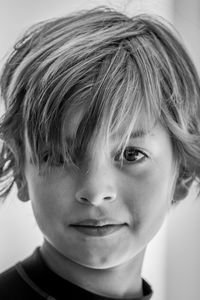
[[101, 132]]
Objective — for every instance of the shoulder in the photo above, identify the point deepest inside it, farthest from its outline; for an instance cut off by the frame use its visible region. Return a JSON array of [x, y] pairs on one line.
[[12, 286], [9, 278]]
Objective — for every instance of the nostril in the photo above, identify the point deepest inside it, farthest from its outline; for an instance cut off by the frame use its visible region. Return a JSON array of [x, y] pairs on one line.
[[83, 199], [108, 198]]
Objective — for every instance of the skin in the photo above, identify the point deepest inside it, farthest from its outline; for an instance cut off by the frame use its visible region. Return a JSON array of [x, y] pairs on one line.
[[138, 194]]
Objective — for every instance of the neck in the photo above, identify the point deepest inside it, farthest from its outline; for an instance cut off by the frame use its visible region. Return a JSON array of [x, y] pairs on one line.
[[123, 281]]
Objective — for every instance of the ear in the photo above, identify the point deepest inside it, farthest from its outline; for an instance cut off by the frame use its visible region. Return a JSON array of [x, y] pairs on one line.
[[182, 188], [22, 187]]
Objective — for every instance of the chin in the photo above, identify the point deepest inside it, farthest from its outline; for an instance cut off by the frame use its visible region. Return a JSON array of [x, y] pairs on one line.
[[101, 261]]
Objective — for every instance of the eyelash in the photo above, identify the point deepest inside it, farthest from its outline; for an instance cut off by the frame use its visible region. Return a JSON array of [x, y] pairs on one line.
[[133, 150], [116, 157], [46, 155]]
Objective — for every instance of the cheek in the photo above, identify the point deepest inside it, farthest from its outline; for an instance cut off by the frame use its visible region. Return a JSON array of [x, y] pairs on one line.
[[153, 188], [50, 198], [148, 195]]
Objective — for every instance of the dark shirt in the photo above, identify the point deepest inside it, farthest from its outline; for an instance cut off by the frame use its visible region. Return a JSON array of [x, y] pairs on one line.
[[32, 279]]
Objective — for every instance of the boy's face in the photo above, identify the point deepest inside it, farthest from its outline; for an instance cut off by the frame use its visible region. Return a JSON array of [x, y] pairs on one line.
[[72, 206]]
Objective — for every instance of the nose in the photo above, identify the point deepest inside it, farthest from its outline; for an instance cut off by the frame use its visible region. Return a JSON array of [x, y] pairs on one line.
[[95, 199], [97, 187]]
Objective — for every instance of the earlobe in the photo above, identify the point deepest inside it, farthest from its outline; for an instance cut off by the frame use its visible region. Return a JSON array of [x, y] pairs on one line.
[[22, 187], [182, 188], [23, 194]]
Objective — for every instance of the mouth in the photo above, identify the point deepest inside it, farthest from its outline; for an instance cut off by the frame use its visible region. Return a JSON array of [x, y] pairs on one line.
[[93, 227]]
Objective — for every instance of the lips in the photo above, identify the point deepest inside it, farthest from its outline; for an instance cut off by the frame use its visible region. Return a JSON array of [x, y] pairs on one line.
[[93, 227]]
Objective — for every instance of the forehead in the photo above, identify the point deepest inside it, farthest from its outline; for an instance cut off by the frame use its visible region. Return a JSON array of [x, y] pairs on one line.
[[140, 129], [72, 122], [78, 135]]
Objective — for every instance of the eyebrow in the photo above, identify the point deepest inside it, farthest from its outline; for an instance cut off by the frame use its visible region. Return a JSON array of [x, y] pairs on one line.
[[138, 134], [135, 134], [69, 140]]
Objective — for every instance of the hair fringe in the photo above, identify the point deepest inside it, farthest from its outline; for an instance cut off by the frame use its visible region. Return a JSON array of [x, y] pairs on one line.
[[111, 67]]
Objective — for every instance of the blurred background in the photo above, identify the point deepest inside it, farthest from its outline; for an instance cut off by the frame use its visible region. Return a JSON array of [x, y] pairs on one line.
[[172, 262]]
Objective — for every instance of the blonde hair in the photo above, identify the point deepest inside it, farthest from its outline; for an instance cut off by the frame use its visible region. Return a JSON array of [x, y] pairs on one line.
[[111, 66]]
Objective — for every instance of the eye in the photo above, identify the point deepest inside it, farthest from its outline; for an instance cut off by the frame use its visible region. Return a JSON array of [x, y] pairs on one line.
[[47, 156], [132, 155]]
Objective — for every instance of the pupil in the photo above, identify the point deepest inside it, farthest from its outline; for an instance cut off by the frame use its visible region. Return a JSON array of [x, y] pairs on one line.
[[130, 154]]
